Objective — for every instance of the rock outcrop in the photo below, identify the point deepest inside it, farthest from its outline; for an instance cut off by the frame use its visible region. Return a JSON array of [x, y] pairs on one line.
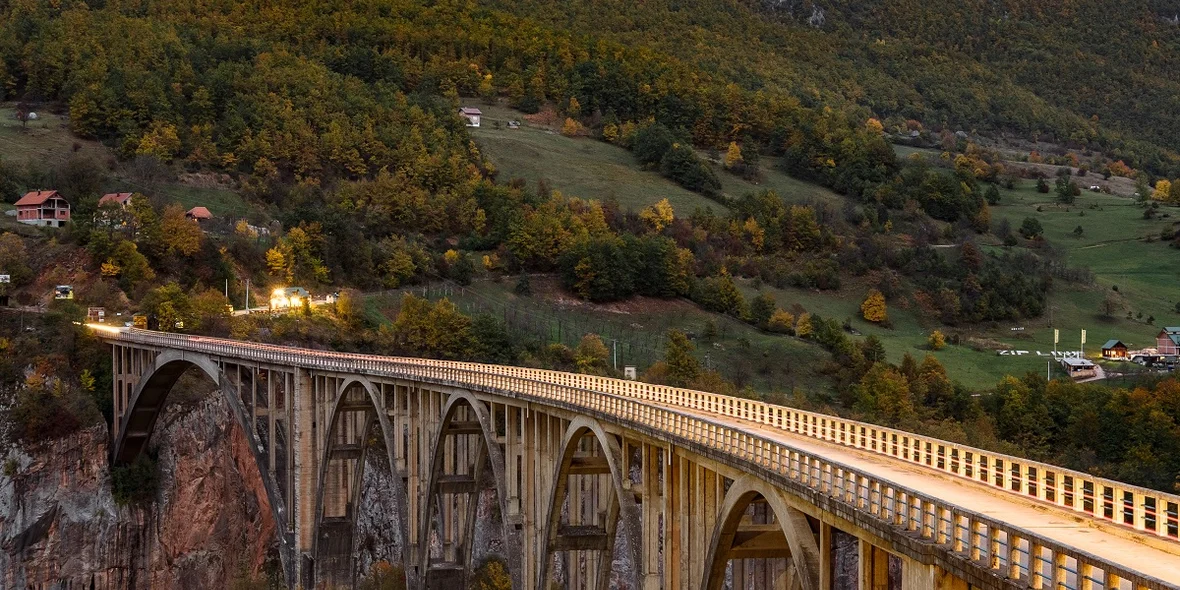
[[60, 527]]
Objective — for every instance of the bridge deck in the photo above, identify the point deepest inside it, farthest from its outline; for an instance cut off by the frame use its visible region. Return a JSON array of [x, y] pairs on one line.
[[771, 436], [1149, 555]]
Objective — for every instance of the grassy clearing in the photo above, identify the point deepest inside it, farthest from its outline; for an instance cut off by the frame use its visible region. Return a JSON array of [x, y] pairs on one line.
[[48, 139], [579, 167], [220, 201], [1114, 245], [768, 362], [588, 168], [792, 190], [975, 369]]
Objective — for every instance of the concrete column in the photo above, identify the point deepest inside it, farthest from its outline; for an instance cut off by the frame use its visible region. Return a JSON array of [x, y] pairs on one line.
[[306, 472], [651, 519], [511, 457], [825, 556], [528, 498]]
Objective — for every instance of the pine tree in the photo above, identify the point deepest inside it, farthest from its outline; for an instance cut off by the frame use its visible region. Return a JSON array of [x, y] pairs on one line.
[[683, 367]]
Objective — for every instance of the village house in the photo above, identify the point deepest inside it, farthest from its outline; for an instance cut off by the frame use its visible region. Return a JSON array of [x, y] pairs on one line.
[[472, 115], [1114, 350], [43, 208], [120, 199], [1167, 342], [1078, 368], [198, 214]]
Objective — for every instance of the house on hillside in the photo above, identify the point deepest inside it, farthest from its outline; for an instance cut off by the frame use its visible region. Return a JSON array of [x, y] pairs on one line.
[[1114, 350], [1079, 368], [198, 214], [43, 208], [120, 199], [1167, 342], [472, 115]]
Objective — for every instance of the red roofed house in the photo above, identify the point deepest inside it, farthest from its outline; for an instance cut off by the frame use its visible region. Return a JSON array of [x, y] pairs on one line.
[[44, 208], [120, 199], [199, 214]]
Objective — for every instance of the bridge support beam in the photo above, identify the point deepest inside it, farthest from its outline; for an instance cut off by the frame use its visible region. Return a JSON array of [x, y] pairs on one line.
[[306, 478]]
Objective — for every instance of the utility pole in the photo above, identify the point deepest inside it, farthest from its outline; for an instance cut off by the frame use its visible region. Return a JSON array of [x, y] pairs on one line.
[[1047, 365], [227, 288], [615, 354], [247, 295]]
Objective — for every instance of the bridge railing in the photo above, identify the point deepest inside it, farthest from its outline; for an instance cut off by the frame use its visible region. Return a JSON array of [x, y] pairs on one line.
[[1006, 549], [1148, 511]]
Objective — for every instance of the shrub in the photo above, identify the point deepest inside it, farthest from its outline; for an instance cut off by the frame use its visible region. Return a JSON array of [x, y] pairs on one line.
[[784, 323], [135, 483], [937, 340], [491, 574], [384, 576]]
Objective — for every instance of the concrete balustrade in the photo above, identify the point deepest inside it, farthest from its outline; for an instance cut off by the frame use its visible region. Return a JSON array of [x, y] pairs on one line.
[[717, 424]]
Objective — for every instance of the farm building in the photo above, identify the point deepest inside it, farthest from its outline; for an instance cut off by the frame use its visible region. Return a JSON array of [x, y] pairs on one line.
[[472, 115], [1078, 368], [1167, 342], [44, 208], [1114, 350]]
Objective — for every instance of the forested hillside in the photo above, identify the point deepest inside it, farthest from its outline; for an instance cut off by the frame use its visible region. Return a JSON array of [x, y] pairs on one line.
[[336, 123]]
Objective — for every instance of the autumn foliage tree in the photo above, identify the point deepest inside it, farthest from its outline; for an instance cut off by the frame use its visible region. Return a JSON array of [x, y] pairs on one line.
[[873, 307]]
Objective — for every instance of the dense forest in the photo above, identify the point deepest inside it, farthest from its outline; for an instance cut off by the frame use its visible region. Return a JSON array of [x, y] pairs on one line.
[[337, 120]]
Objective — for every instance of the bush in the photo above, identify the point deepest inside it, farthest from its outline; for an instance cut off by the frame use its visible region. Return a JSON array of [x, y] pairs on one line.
[[937, 340], [651, 143], [136, 483], [681, 165], [384, 576], [491, 574]]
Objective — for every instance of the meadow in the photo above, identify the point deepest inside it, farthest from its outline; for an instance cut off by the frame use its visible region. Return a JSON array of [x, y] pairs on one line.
[[591, 169]]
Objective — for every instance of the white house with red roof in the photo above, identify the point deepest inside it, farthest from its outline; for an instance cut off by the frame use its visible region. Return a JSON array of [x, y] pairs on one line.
[[43, 208], [120, 199]]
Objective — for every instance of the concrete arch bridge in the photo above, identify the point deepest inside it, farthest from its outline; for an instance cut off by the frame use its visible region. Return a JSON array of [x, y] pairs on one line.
[[588, 482]]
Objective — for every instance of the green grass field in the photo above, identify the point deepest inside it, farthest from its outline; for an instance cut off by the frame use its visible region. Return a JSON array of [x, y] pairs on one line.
[[580, 167], [591, 169], [1114, 245], [768, 362], [46, 139], [910, 330]]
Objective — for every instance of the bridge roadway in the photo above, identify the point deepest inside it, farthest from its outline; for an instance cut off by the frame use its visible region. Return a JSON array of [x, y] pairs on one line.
[[1021, 522], [1094, 536]]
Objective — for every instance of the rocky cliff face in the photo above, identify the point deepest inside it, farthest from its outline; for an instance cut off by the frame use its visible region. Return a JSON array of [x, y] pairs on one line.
[[211, 523]]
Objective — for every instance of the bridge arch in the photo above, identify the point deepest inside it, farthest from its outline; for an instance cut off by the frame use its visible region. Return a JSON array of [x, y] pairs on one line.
[[334, 535], [148, 397], [488, 456], [621, 509], [734, 538], [147, 402]]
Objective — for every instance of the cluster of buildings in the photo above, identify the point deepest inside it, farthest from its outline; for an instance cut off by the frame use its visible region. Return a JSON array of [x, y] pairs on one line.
[[1165, 355], [50, 209], [1166, 352]]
